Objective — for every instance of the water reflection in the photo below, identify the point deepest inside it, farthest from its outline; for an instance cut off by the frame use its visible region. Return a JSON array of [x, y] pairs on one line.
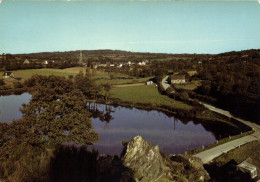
[[104, 114], [115, 124], [171, 134]]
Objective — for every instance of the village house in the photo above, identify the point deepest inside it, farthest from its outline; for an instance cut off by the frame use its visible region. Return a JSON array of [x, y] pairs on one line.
[[142, 63], [149, 82], [120, 65], [177, 79], [8, 74], [102, 65], [45, 62], [26, 61]]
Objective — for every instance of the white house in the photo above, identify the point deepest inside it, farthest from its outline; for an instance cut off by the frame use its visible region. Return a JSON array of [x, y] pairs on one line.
[[142, 63], [129, 63], [177, 79], [149, 82], [45, 62], [120, 65]]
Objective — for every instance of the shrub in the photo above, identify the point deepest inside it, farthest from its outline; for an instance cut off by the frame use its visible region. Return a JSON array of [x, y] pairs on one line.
[[18, 85]]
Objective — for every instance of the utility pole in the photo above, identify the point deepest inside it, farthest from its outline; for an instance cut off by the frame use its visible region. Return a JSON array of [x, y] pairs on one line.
[[80, 58]]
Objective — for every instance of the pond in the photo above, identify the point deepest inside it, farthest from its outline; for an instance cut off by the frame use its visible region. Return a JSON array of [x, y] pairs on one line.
[[115, 124], [9, 106]]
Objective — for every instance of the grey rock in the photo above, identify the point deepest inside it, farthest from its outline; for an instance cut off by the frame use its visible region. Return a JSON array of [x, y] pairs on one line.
[[145, 160], [148, 165]]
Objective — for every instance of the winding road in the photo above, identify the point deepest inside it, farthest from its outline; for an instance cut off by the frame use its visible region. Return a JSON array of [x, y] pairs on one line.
[[208, 155], [165, 83]]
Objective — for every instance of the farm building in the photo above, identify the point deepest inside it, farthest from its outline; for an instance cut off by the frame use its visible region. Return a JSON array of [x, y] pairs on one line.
[[247, 167], [177, 79], [8, 74]]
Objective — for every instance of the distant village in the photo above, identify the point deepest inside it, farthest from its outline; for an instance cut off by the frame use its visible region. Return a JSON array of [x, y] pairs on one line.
[[10, 62], [133, 64]]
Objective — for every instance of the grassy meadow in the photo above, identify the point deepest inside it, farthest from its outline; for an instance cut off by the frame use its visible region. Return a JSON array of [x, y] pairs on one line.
[[100, 76], [251, 150], [26, 74], [145, 94], [122, 81], [190, 85]]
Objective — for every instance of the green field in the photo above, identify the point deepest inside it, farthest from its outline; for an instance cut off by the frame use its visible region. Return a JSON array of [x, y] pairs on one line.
[[190, 85], [97, 74], [145, 94], [106, 75], [122, 81], [26, 74]]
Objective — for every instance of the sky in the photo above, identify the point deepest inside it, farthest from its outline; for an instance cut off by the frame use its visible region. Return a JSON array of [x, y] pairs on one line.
[[139, 26]]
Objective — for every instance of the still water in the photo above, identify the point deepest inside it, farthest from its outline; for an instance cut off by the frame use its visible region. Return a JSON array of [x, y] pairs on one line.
[[115, 124], [9, 106]]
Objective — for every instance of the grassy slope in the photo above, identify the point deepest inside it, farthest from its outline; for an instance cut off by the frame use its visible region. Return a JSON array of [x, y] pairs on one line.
[[106, 75], [190, 85], [25, 74], [251, 150], [145, 94]]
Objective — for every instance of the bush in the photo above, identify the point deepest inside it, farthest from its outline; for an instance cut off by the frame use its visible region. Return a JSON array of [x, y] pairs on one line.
[[18, 85], [184, 96], [2, 82]]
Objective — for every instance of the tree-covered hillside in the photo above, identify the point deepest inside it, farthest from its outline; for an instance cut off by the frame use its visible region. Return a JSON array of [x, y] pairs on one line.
[[234, 80]]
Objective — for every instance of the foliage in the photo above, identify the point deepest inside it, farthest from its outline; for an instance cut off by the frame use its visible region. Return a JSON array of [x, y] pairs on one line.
[[2, 82], [87, 85], [56, 114], [234, 81], [18, 85], [107, 88]]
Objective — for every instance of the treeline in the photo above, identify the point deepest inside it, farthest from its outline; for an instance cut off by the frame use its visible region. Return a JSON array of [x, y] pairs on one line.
[[89, 57], [10, 62], [233, 79]]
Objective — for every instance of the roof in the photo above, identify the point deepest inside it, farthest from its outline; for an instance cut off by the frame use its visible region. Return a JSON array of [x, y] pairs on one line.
[[7, 73], [177, 77], [247, 165]]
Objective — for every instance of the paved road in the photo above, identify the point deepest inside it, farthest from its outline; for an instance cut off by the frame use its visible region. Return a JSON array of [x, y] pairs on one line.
[[254, 126], [208, 155], [165, 83], [128, 85]]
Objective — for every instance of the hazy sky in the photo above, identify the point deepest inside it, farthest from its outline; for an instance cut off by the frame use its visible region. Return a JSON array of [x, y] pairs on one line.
[[169, 27]]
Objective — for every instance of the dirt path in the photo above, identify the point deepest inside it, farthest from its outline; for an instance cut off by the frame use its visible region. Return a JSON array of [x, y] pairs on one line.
[[128, 85]]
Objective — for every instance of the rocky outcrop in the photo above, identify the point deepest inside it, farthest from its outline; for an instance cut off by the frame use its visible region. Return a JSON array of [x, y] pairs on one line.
[[145, 160], [148, 165]]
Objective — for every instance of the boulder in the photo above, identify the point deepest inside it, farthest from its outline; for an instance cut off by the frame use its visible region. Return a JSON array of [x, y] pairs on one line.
[[145, 160], [148, 165]]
